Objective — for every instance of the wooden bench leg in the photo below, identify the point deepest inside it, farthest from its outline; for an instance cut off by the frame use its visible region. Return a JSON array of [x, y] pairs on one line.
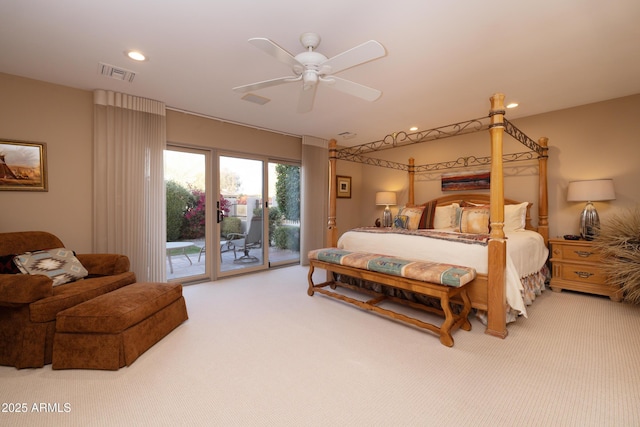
[[310, 279], [445, 328], [466, 325]]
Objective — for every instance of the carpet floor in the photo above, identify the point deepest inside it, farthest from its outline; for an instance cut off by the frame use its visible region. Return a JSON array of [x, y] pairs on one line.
[[257, 351]]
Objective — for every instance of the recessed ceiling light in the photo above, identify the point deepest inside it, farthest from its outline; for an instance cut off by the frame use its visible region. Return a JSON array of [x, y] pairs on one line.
[[135, 55], [413, 128], [512, 105]]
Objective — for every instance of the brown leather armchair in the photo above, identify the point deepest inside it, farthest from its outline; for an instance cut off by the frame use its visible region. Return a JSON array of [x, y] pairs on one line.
[[29, 303]]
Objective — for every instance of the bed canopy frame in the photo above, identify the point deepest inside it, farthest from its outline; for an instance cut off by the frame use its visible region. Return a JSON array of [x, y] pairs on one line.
[[496, 124]]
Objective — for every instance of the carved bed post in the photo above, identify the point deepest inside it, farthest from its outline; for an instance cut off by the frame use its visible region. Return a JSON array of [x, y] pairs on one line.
[[543, 198], [496, 304], [412, 173], [332, 231]]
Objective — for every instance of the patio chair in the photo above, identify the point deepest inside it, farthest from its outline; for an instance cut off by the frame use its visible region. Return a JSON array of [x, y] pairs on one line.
[[244, 242]]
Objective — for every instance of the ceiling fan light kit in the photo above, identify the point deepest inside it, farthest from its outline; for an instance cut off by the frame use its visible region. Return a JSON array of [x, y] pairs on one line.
[[315, 69]]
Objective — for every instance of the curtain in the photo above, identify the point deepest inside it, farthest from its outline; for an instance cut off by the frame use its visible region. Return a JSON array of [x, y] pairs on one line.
[[314, 195], [129, 195]]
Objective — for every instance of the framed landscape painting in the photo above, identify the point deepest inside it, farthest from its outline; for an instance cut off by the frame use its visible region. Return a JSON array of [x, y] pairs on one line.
[[23, 166]]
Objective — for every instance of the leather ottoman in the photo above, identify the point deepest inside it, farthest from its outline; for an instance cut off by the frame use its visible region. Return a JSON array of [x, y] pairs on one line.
[[112, 330]]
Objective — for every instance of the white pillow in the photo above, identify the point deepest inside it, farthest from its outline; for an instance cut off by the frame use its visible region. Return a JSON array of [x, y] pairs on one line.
[[442, 217], [515, 216]]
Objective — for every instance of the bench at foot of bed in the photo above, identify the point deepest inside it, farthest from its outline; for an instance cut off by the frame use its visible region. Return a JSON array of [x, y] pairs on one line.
[[441, 281]]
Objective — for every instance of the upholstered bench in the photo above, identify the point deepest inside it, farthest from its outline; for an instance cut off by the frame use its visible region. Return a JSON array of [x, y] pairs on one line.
[[112, 330], [441, 281]]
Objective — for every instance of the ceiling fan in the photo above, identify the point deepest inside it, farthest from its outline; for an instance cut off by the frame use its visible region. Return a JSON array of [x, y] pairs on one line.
[[313, 68]]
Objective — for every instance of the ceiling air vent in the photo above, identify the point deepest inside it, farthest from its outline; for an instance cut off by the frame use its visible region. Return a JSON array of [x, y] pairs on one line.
[[116, 73], [347, 135], [256, 99]]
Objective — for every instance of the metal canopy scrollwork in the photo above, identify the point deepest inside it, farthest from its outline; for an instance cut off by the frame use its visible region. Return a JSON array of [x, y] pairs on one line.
[[516, 133], [398, 139]]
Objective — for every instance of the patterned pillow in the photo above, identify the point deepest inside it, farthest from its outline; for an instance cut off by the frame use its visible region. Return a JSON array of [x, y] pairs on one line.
[[414, 214], [400, 221], [428, 215], [60, 265], [475, 220], [456, 214]]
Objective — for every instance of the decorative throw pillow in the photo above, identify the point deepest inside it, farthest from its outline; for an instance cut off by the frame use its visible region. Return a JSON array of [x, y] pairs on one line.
[[60, 265], [475, 220], [7, 266], [456, 213], [442, 217], [515, 216], [400, 221], [414, 214], [428, 214]]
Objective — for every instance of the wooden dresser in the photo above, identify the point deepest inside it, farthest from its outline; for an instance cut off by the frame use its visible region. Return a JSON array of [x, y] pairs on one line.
[[577, 266]]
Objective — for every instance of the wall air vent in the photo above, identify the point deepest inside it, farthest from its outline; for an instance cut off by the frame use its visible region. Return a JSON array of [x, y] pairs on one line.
[[117, 73]]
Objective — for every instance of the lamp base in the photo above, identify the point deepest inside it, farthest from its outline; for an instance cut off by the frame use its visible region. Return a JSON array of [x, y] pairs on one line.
[[589, 222], [386, 217]]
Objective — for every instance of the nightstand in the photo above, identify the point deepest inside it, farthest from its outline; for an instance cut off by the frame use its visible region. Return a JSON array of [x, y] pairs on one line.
[[577, 266]]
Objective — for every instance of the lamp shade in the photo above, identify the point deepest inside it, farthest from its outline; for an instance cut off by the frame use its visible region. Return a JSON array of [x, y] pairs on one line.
[[385, 198], [594, 190]]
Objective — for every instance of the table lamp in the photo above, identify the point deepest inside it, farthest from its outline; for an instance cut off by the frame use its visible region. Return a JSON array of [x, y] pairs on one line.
[[594, 190], [386, 198]]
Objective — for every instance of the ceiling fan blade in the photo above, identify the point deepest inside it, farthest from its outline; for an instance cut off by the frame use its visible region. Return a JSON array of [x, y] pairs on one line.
[[352, 88], [266, 83], [307, 95], [272, 49], [365, 52]]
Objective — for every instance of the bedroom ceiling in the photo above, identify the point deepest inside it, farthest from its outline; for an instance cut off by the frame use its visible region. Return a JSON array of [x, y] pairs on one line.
[[444, 58]]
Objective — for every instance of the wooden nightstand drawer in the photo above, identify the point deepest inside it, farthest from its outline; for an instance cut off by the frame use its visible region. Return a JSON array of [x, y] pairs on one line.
[[574, 253], [582, 273], [577, 266]]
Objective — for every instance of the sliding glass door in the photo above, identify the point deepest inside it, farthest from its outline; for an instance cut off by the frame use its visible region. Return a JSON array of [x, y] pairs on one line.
[[232, 215], [241, 215], [185, 172], [284, 213]]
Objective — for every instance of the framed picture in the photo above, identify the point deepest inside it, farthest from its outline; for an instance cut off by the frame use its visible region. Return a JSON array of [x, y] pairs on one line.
[[464, 181], [344, 186], [23, 166]]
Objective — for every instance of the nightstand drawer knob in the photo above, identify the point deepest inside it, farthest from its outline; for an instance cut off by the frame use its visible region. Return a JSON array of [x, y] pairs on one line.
[[583, 274], [584, 254]]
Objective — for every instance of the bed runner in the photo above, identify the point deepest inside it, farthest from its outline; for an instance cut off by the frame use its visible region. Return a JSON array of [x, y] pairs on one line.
[[468, 238], [426, 271]]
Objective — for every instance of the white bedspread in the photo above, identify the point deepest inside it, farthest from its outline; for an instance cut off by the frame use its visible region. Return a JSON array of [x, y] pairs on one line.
[[526, 254]]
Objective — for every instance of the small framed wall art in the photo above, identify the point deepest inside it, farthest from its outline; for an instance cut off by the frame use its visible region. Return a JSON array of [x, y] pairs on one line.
[[23, 166], [344, 187]]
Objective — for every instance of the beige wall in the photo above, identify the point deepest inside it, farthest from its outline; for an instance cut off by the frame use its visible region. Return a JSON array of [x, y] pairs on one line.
[[592, 141], [200, 131], [588, 142], [62, 117]]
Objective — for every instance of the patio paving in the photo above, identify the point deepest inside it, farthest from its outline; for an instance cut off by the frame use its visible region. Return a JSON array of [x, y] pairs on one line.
[[183, 268]]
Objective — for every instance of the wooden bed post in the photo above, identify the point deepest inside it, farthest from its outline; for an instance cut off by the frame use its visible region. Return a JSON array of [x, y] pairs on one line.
[[543, 198], [496, 300], [412, 173], [332, 231]]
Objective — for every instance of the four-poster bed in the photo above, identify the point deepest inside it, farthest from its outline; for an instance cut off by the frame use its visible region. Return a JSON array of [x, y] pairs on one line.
[[488, 290]]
